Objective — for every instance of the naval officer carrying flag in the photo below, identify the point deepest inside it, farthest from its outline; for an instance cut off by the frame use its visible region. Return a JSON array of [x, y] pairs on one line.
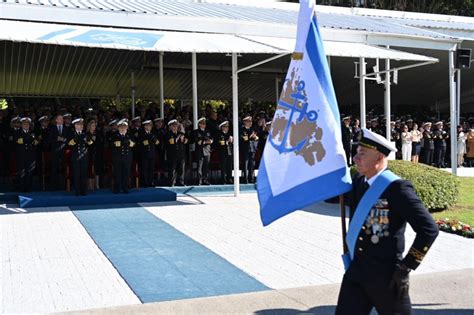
[[376, 270], [304, 162]]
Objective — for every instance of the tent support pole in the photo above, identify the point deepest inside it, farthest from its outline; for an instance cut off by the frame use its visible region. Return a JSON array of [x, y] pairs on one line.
[[387, 99], [195, 97], [133, 94], [235, 123], [162, 89], [458, 95], [452, 107], [363, 123]]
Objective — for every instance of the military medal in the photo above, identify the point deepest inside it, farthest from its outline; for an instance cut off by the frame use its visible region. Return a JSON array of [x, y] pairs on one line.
[[374, 239]]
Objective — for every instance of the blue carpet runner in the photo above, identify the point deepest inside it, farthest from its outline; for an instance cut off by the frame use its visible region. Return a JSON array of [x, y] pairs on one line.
[[158, 262]]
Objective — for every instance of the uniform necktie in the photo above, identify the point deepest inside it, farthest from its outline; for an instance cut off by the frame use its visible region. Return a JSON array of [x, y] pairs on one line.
[[60, 129], [365, 187]]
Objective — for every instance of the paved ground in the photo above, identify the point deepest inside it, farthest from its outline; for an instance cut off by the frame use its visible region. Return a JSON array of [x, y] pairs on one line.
[[463, 171], [50, 263], [453, 297]]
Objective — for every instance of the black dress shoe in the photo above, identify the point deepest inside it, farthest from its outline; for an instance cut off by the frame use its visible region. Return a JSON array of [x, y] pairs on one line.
[[180, 184], [206, 183]]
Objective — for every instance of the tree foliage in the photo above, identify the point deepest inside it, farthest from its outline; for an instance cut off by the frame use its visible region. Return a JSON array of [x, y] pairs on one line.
[[451, 7]]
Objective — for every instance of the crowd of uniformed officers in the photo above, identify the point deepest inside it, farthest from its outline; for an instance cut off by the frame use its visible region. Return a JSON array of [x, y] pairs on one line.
[[156, 151], [416, 140]]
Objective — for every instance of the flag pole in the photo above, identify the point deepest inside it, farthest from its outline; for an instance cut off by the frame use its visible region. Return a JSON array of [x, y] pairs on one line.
[[342, 208]]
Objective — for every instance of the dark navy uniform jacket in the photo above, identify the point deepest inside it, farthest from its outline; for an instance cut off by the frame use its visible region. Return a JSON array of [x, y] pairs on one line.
[[198, 137], [121, 145], [397, 205], [222, 144], [147, 143], [428, 139], [25, 142], [175, 145], [79, 145], [439, 137], [248, 144]]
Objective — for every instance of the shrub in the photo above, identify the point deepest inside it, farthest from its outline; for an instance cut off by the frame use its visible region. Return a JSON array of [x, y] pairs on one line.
[[436, 188]]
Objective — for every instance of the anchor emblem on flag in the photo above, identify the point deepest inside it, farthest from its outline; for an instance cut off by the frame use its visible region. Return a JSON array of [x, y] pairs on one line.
[[299, 106]]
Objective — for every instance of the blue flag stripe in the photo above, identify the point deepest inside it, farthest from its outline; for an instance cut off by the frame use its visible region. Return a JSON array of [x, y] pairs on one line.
[[315, 48], [320, 188]]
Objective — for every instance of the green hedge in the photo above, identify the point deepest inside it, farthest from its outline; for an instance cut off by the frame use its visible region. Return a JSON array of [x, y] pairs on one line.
[[437, 189]]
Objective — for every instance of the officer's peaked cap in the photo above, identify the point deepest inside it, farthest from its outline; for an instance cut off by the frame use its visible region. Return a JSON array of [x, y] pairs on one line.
[[27, 119], [375, 141], [146, 122], [225, 123], [77, 121], [122, 122], [172, 121]]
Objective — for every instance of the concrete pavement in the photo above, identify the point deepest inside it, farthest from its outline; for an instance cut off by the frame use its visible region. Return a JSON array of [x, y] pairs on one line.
[[50, 263], [437, 293]]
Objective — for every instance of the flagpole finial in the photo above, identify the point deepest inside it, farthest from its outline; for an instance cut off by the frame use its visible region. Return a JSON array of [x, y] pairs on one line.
[[297, 56]]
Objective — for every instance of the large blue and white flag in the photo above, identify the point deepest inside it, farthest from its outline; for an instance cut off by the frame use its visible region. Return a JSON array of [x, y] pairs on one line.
[[304, 160]]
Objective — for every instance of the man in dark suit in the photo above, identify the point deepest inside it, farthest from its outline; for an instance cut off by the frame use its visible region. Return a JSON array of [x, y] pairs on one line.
[[377, 276], [25, 142], [79, 142], [248, 148], [57, 137], [121, 146], [147, 142], [202, 140]]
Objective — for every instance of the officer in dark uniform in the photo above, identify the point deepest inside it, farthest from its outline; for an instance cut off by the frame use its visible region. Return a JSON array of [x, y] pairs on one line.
[[248, 146], [378, 274], [347, 138], [202, 140], [160, 131], [375, 127], [147, 143], [68, 121], [41, 133], [439, 139], [224, 145], [175, 148], [135, 131], [356, 136], [121, 145], [428, 144], [25, 150], [79, 143], [57, 138], [111, 131], [15, 126]]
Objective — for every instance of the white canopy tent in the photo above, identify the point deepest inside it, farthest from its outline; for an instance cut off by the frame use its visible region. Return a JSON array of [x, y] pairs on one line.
[[215, 28]]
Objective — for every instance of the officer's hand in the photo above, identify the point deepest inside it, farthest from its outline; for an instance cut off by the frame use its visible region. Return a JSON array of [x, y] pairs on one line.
[[400, 282]]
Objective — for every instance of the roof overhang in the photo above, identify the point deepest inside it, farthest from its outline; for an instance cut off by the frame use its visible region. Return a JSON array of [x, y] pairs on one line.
[[167, 41]]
